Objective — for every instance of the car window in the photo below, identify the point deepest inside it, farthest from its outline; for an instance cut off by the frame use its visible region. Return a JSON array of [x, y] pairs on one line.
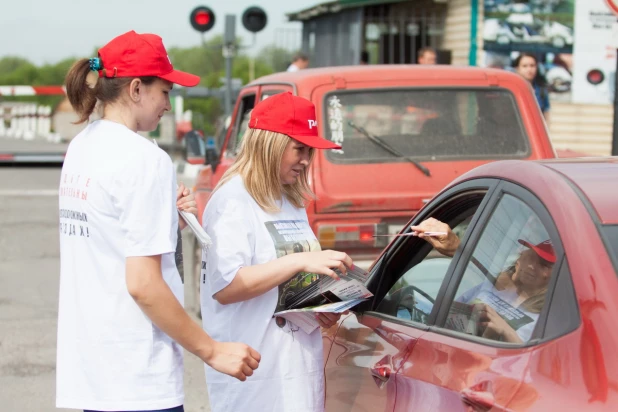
[[611, 236], [504, 286], [267, 93], [241, 123], [425, 124], [413, 295]]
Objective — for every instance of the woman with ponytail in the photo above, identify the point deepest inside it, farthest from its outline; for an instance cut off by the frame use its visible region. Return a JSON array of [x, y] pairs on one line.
[[121, 324]]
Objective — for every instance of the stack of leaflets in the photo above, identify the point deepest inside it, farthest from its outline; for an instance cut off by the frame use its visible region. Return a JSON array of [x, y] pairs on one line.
[[307, 294]]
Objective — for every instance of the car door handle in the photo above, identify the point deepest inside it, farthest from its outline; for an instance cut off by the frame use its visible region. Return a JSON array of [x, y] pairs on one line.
[[381, 373], [482, 398]]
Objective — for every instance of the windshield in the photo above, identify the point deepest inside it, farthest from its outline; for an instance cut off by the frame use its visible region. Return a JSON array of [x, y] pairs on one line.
[[424, 124], [610, 233]]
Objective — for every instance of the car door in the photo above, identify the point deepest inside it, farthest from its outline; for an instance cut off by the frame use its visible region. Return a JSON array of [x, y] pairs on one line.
[[371, 345], [491, 316]]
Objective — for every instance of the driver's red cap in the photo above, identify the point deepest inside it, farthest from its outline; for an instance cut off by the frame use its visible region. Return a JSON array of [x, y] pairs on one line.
[[141, 55], [290, 115], [545, 249]]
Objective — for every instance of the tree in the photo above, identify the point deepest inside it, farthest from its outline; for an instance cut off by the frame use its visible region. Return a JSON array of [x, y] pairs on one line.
[[277, 58]]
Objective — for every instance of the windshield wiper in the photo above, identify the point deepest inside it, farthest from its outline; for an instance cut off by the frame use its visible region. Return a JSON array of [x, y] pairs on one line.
[[379, 142]]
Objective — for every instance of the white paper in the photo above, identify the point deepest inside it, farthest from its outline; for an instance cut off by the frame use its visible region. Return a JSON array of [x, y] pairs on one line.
[[352, 289], [305, 318], [197, 229]]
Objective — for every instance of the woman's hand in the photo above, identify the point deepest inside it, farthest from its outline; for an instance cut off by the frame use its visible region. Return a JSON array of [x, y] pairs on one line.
[[446, 244], [185, 200], [323, 262], [234, 359], [327, 320], [493, 326]]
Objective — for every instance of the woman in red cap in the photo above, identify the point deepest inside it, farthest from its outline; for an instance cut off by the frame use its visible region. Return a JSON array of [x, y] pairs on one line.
[[121, 325], [262, 239], [518, 293]]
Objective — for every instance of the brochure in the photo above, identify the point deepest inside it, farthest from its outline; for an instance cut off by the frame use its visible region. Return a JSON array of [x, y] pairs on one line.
[[305, 318], [463, 318]]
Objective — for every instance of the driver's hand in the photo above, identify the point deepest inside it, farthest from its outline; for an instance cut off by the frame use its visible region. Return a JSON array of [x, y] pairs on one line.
[[446, 244]]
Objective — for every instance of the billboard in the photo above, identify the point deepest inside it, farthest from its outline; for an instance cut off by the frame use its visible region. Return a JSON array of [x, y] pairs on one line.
[[594, 51], [574, 41], [542, 27]]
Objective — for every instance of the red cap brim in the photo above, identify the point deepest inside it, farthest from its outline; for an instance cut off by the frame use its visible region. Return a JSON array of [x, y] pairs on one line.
[[182, 78], [316, 142], [543, 254]]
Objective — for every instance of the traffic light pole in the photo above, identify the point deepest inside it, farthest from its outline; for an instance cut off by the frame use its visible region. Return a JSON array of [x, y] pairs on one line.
[[228, 54], [229, 50]]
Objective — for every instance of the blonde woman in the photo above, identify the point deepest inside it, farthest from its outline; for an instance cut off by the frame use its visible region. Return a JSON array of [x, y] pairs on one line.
[[262, 239]]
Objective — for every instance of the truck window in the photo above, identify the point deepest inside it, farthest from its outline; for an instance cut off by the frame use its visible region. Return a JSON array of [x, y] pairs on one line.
[[240, 124], [424, 124]]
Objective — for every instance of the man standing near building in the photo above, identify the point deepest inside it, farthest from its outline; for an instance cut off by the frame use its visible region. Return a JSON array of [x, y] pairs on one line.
[[300, 62], [427, 55]]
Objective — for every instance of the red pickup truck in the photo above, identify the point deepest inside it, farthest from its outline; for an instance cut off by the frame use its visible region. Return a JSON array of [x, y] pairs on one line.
[[406, 132]]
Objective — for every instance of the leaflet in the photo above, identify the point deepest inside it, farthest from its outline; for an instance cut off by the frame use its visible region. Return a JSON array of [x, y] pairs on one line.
[[306, 318]]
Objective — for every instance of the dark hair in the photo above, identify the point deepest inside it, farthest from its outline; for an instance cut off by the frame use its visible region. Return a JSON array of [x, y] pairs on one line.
[[83, 97], [424, 50], [300, 56], [539, 80], [364, 57]]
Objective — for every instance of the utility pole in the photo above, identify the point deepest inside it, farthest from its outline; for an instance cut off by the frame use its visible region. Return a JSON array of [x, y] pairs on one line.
[[229, 51]]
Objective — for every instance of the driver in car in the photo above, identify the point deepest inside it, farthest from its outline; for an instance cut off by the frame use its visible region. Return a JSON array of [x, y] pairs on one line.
[[507, 307]]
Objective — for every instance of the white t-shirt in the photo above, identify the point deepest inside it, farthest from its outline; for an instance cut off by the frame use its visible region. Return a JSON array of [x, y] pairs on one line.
[[292, 68], [117, 199], [503, 302], [290, 376]]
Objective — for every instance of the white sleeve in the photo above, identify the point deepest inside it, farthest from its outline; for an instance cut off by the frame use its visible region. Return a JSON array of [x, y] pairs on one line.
[[146, 201], [231, 229]]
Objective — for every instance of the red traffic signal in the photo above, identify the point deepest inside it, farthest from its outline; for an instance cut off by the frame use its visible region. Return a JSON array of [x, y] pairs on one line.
[[254, 19], [202, 19]]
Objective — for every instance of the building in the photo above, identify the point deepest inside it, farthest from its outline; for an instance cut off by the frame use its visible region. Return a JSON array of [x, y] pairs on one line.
[[392, 31]]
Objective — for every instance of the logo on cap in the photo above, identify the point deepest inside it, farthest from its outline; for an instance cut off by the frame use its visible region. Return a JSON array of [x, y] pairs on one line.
[[312, 123]]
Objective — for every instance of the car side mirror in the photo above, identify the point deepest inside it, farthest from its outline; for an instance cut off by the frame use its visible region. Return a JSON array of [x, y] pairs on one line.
[[212, 156]]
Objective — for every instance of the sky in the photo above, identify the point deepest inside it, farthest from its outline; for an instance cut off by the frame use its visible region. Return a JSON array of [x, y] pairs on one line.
[[49, 31]]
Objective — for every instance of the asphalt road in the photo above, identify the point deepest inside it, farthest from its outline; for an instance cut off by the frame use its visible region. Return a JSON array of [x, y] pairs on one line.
[[29, 275]]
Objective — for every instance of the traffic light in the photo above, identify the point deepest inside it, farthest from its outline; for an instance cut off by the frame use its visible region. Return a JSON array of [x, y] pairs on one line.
[[202, 19], [254, 19]]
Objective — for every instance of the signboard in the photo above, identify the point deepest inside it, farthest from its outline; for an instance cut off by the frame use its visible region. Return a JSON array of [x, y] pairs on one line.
[[594, 51], [613, 5], [544, 28], [575, 42]]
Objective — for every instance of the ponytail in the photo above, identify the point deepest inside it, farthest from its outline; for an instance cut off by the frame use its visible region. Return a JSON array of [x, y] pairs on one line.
[[82, 97]]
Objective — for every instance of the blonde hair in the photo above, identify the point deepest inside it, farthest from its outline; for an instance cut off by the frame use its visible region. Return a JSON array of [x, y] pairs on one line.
[[259, 165]]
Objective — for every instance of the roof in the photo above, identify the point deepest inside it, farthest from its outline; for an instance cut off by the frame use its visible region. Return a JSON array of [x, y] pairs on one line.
[[594, 177], [597, 178], [332, 7], [435, 75]]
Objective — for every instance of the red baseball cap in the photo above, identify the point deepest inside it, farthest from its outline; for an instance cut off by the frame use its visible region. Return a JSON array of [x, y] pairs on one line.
[[290, 115], [544, 249], [141, 55]]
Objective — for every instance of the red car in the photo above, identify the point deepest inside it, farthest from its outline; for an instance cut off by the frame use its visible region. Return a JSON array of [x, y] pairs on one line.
[[519, 318]]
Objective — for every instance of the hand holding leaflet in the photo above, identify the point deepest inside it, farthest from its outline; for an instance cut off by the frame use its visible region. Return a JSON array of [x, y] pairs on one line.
[[196, 228]]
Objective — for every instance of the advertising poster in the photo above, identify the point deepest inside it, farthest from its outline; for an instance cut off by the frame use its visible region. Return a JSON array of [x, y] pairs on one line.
[[594, 51], [542, 27]]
